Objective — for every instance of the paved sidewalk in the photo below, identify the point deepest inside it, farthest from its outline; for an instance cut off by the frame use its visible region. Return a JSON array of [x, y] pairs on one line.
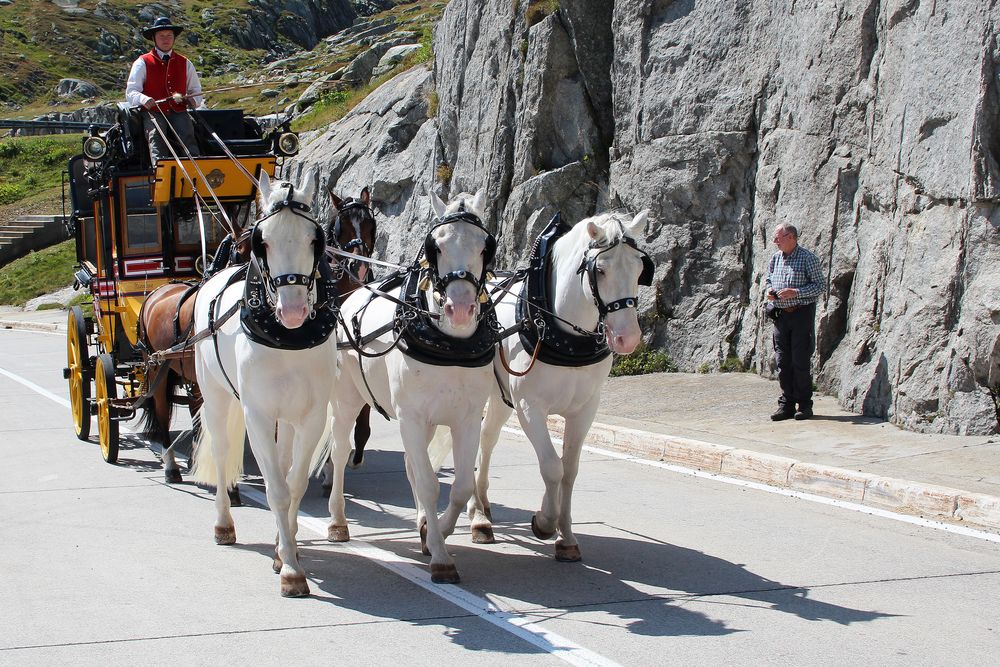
[[720, 423]]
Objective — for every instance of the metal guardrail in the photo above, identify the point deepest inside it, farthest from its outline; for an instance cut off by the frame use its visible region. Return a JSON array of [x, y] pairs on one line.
[[82, 126]]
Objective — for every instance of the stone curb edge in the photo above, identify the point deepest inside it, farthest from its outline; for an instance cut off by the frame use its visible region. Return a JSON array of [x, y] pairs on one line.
[[31, 326], [876, 491]]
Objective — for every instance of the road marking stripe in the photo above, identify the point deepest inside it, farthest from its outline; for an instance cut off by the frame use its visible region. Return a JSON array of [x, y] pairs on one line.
[[35, 388]]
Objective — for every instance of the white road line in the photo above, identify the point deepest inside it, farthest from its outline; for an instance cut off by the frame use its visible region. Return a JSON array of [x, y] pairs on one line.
[[415, 572], [791, 493]]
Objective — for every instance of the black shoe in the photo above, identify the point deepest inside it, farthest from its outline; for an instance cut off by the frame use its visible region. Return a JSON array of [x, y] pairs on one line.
[[782, 414], [805, 413]]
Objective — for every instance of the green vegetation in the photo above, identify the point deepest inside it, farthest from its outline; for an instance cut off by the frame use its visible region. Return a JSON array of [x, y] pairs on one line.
[[36, 274], [29, 165], [732, 364], [642, 361], [539, 9]]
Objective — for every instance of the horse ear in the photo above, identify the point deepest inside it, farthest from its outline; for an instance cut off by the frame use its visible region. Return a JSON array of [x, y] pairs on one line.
[[337, 201], [307, 189], [593, 230], [265, 187], [638, 224], [437, 205], [366, 197], [479, 201]]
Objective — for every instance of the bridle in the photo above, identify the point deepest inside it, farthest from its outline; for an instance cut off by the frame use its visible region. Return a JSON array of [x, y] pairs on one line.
[[430, 253], [357, 243], [589, 266], [258, 253]]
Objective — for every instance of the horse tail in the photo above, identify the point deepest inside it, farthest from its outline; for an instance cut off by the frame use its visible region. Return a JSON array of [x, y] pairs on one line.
[[322, 453], [205, 468], [439, 447]]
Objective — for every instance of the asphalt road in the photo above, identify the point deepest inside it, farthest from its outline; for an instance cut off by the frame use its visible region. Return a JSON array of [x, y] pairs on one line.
[[107, 565]]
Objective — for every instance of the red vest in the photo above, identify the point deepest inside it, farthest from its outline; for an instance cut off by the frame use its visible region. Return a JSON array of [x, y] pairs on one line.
[[162, 81]]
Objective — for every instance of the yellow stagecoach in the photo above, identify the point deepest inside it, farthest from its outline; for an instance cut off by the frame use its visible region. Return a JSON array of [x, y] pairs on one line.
[[139, 226]]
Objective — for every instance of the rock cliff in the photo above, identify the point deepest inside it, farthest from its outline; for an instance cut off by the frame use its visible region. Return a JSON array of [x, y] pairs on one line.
[[869, 124]]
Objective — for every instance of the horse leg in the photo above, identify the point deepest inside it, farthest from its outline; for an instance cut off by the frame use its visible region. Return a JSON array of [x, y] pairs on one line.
[[576, 429], [465, 439], [161, 412], [497, 413], [362, 433], [263, 441], [535, 426], [346, 404], [215, 421], [425, 487]]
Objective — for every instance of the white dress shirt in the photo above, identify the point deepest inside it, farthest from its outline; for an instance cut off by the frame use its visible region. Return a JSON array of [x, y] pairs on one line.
[[137, 79]]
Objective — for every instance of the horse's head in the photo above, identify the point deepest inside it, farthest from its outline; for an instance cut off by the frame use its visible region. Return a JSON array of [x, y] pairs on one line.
[[459, 250], [612, 268], [287, 243], [353, 229]]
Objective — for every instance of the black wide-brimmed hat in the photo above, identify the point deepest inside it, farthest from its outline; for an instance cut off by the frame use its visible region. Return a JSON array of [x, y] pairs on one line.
[[162, 23]]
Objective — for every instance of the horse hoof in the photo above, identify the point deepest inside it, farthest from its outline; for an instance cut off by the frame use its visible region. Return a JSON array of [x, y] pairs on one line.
[[276, 565], [568, 553], [294, 586], [172, 475], [338, 533], [234, 497], [356, 461], [225, 535], [423, 540], [538, 532], [444, 574], [483, 535]]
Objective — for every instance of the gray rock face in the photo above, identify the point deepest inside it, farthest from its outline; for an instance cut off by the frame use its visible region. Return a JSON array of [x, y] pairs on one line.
[[873, 126], [303, 22], [76, 88], [394, 56]]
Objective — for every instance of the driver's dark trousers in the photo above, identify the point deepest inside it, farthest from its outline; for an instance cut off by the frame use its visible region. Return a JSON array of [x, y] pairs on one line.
[[181, 124]]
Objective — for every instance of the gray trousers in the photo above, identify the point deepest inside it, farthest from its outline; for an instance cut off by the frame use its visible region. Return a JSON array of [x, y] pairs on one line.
[[181, 122]]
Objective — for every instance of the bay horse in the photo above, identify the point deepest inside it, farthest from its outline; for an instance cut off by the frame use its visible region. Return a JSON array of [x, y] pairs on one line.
[[165, 320], [269, 372], [353, 230], [590, 278], [442, 378]]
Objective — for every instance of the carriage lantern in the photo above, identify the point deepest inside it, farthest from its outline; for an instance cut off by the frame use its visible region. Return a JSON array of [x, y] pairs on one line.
[[287, 144]]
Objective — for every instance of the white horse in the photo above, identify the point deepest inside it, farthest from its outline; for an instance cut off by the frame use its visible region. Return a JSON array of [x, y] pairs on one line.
[[423, 395], [266, 377], [592, 285]]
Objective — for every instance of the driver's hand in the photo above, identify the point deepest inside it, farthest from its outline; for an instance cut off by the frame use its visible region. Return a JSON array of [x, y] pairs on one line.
[[150, 103]]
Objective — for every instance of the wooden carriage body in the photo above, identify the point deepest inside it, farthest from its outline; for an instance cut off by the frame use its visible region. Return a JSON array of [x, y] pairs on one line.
[[138, 226]]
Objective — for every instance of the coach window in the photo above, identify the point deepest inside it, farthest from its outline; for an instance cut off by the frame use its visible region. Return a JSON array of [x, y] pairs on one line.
[[142, 230], [187, 227]]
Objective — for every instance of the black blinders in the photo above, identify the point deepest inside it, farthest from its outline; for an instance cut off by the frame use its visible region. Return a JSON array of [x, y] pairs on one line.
[[431, 250]]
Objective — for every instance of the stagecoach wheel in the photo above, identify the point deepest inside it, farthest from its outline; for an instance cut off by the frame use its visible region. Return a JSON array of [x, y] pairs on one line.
[[76, 372], [106, 390]]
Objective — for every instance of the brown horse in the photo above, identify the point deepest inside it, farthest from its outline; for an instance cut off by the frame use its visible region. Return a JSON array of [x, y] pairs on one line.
[[353, 230], [165, 320]]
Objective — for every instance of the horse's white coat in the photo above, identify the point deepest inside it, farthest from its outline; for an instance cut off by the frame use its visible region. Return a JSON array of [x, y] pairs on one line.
[[419, 395], [574, 393], [283, 393]]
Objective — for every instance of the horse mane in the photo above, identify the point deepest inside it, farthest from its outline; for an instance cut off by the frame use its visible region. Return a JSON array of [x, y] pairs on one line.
[[577, 239], [463, 202]]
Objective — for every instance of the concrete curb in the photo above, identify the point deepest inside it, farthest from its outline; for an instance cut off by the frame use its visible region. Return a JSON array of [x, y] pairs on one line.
[[31, 326], [931, 501]]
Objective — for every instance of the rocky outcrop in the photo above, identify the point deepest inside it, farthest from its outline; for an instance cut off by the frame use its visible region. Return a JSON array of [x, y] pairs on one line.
[[870, 124], [303, 22]]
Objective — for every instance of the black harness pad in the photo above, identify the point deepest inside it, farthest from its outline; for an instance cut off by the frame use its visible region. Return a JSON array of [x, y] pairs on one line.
[[559, 347], [423, 341], [262, 327]]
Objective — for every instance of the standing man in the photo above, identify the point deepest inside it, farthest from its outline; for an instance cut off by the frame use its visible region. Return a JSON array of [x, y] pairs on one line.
[[154, 80], [794, 282]]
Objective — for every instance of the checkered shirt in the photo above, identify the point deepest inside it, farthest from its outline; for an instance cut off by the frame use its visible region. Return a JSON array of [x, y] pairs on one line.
[[800, 270]]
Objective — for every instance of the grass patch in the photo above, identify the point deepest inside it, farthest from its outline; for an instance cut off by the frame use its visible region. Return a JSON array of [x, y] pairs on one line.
[[732, 364], [539, 9], [37, 273], [642, 361], [29, 165], [85, 301]]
